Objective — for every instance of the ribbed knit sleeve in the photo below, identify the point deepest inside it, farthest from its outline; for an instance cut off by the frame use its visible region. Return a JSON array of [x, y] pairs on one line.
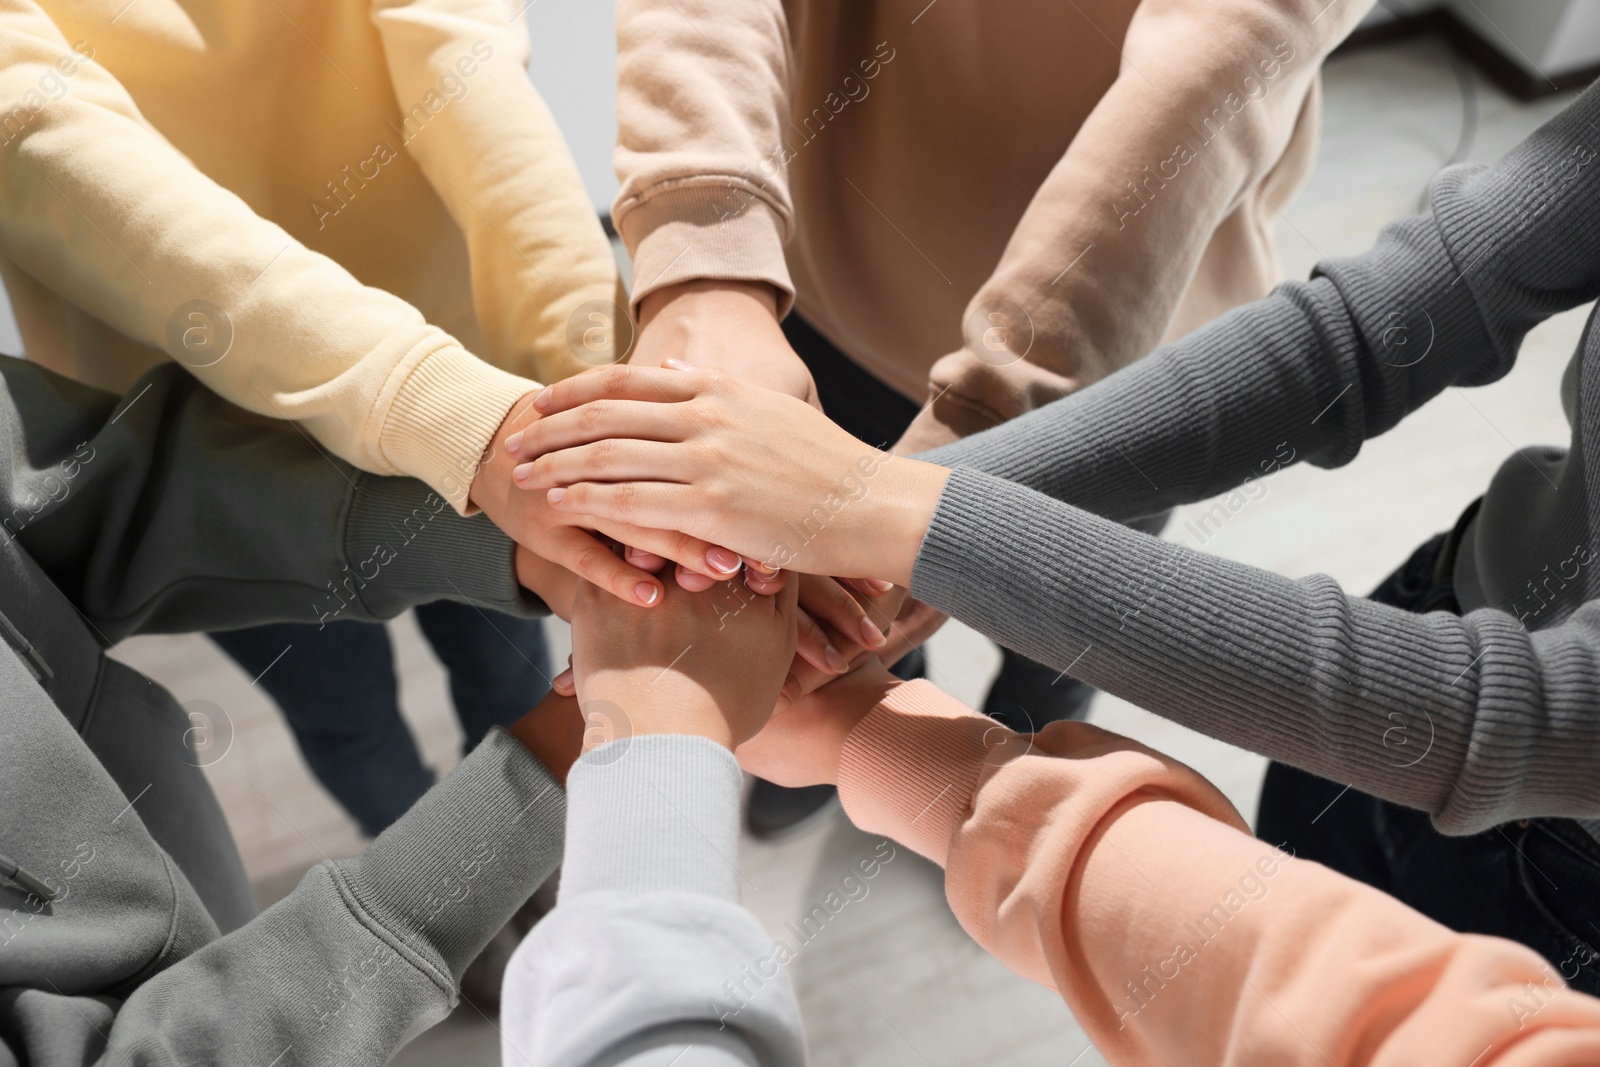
[[1475, 720]]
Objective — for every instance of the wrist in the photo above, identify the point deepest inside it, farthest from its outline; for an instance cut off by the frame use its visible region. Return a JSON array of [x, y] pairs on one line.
[[553, 732], [491, 483], [705, 296], [641, 707], [909, 496]]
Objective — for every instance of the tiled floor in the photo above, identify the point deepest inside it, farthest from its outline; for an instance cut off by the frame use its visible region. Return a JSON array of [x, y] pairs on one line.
[[893, 980]]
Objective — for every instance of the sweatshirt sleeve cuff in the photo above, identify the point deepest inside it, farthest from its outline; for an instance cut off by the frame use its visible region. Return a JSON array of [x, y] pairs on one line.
[[450, 873], [654, 813], [719, 232], [910, 768], [404, 546], [443, 418]]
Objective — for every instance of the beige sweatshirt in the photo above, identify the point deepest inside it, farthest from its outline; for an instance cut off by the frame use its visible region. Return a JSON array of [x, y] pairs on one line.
[[327, 209], [987, 203]]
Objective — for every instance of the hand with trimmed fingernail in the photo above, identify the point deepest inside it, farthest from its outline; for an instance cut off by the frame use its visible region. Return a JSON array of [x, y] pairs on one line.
[[571, 540]]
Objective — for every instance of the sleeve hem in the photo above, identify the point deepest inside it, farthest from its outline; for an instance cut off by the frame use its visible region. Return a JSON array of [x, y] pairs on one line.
[[910, 768], [443, 417], [704, 230]]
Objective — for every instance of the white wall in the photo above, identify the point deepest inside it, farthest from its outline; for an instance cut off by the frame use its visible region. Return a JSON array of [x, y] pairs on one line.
[[575, 69]]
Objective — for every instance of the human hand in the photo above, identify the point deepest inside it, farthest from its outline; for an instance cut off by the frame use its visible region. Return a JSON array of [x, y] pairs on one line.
[[802, 742], [564, 537], [727, 326], [709, 664], [747, 468], [550, 582]]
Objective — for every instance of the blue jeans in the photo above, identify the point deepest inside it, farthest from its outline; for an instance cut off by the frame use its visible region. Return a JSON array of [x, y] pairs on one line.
[[337, 690], [1536, 881]]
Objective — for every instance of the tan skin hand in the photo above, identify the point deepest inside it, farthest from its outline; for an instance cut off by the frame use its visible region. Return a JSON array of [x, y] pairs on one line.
[[709, 664], [727, 326]]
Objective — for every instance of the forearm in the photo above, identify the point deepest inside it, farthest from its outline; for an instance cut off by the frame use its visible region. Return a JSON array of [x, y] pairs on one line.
[[541, 267], [1082, 859], [702, 88], [649, 905], [172, 510], [99, 207], [1202, 116], [1474, 719], [366, 952]]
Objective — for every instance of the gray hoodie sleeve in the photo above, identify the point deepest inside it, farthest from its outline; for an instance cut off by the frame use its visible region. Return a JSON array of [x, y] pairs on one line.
[[169, 509], [1475, 720], [649, 960]]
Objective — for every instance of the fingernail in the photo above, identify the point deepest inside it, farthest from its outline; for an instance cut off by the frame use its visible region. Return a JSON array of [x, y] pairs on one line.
[[762, 569], [521, 473], [836, 661], [872, 635], [563, 681], [647, 592], [722, 561], [556, 495], [542, 400], [514, 442], [671, 361], [879, 586]]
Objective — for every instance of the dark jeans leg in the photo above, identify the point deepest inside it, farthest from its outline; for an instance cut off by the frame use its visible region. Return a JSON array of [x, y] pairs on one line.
[[499, 665], [1536, 881], [336, 688]]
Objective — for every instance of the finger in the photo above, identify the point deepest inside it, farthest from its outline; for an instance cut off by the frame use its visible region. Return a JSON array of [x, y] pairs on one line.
[[599, 420], [693, 581], [584, 555], [829, 602], [657, 505], [690, 553], [813, 645], [872, 587], [645, 561], [621, 382], [766, 584], [565, 684]]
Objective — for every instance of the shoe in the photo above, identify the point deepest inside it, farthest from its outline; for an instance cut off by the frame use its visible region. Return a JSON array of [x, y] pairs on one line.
[[776, 811]]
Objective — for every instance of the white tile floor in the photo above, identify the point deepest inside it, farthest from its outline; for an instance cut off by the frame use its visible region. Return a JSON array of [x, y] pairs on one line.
[[894, 982]]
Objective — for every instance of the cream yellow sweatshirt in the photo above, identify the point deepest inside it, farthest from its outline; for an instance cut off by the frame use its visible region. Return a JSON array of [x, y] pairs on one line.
[[987, 203], [328, 209]]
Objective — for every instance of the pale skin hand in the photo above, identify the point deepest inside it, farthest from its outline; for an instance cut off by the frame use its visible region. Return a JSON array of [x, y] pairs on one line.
[[764, 474], [564, 538], [709, 664]]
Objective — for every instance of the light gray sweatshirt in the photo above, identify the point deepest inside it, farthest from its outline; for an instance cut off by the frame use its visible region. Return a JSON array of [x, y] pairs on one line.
[[1478, 719], [172, 510], [648, 960]]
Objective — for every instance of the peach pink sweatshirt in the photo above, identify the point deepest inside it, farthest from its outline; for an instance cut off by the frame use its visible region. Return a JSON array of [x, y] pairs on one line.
[[1124, 880], [989, 203]]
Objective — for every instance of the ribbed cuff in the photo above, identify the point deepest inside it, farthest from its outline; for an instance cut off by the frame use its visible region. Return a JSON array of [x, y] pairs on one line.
[[404, 546], [450, 873], [653, 813], [443, 418], [909, 769], [720, 232]]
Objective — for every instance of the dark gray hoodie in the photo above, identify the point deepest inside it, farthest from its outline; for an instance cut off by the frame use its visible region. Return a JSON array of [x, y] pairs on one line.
[[171, 510]]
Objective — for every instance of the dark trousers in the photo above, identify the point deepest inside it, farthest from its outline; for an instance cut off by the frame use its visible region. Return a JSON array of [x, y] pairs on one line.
[[1536, 881], [337, 690], [1025, 695]]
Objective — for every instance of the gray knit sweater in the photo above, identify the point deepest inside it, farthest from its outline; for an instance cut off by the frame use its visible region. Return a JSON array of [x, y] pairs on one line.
[[1478, 719]]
